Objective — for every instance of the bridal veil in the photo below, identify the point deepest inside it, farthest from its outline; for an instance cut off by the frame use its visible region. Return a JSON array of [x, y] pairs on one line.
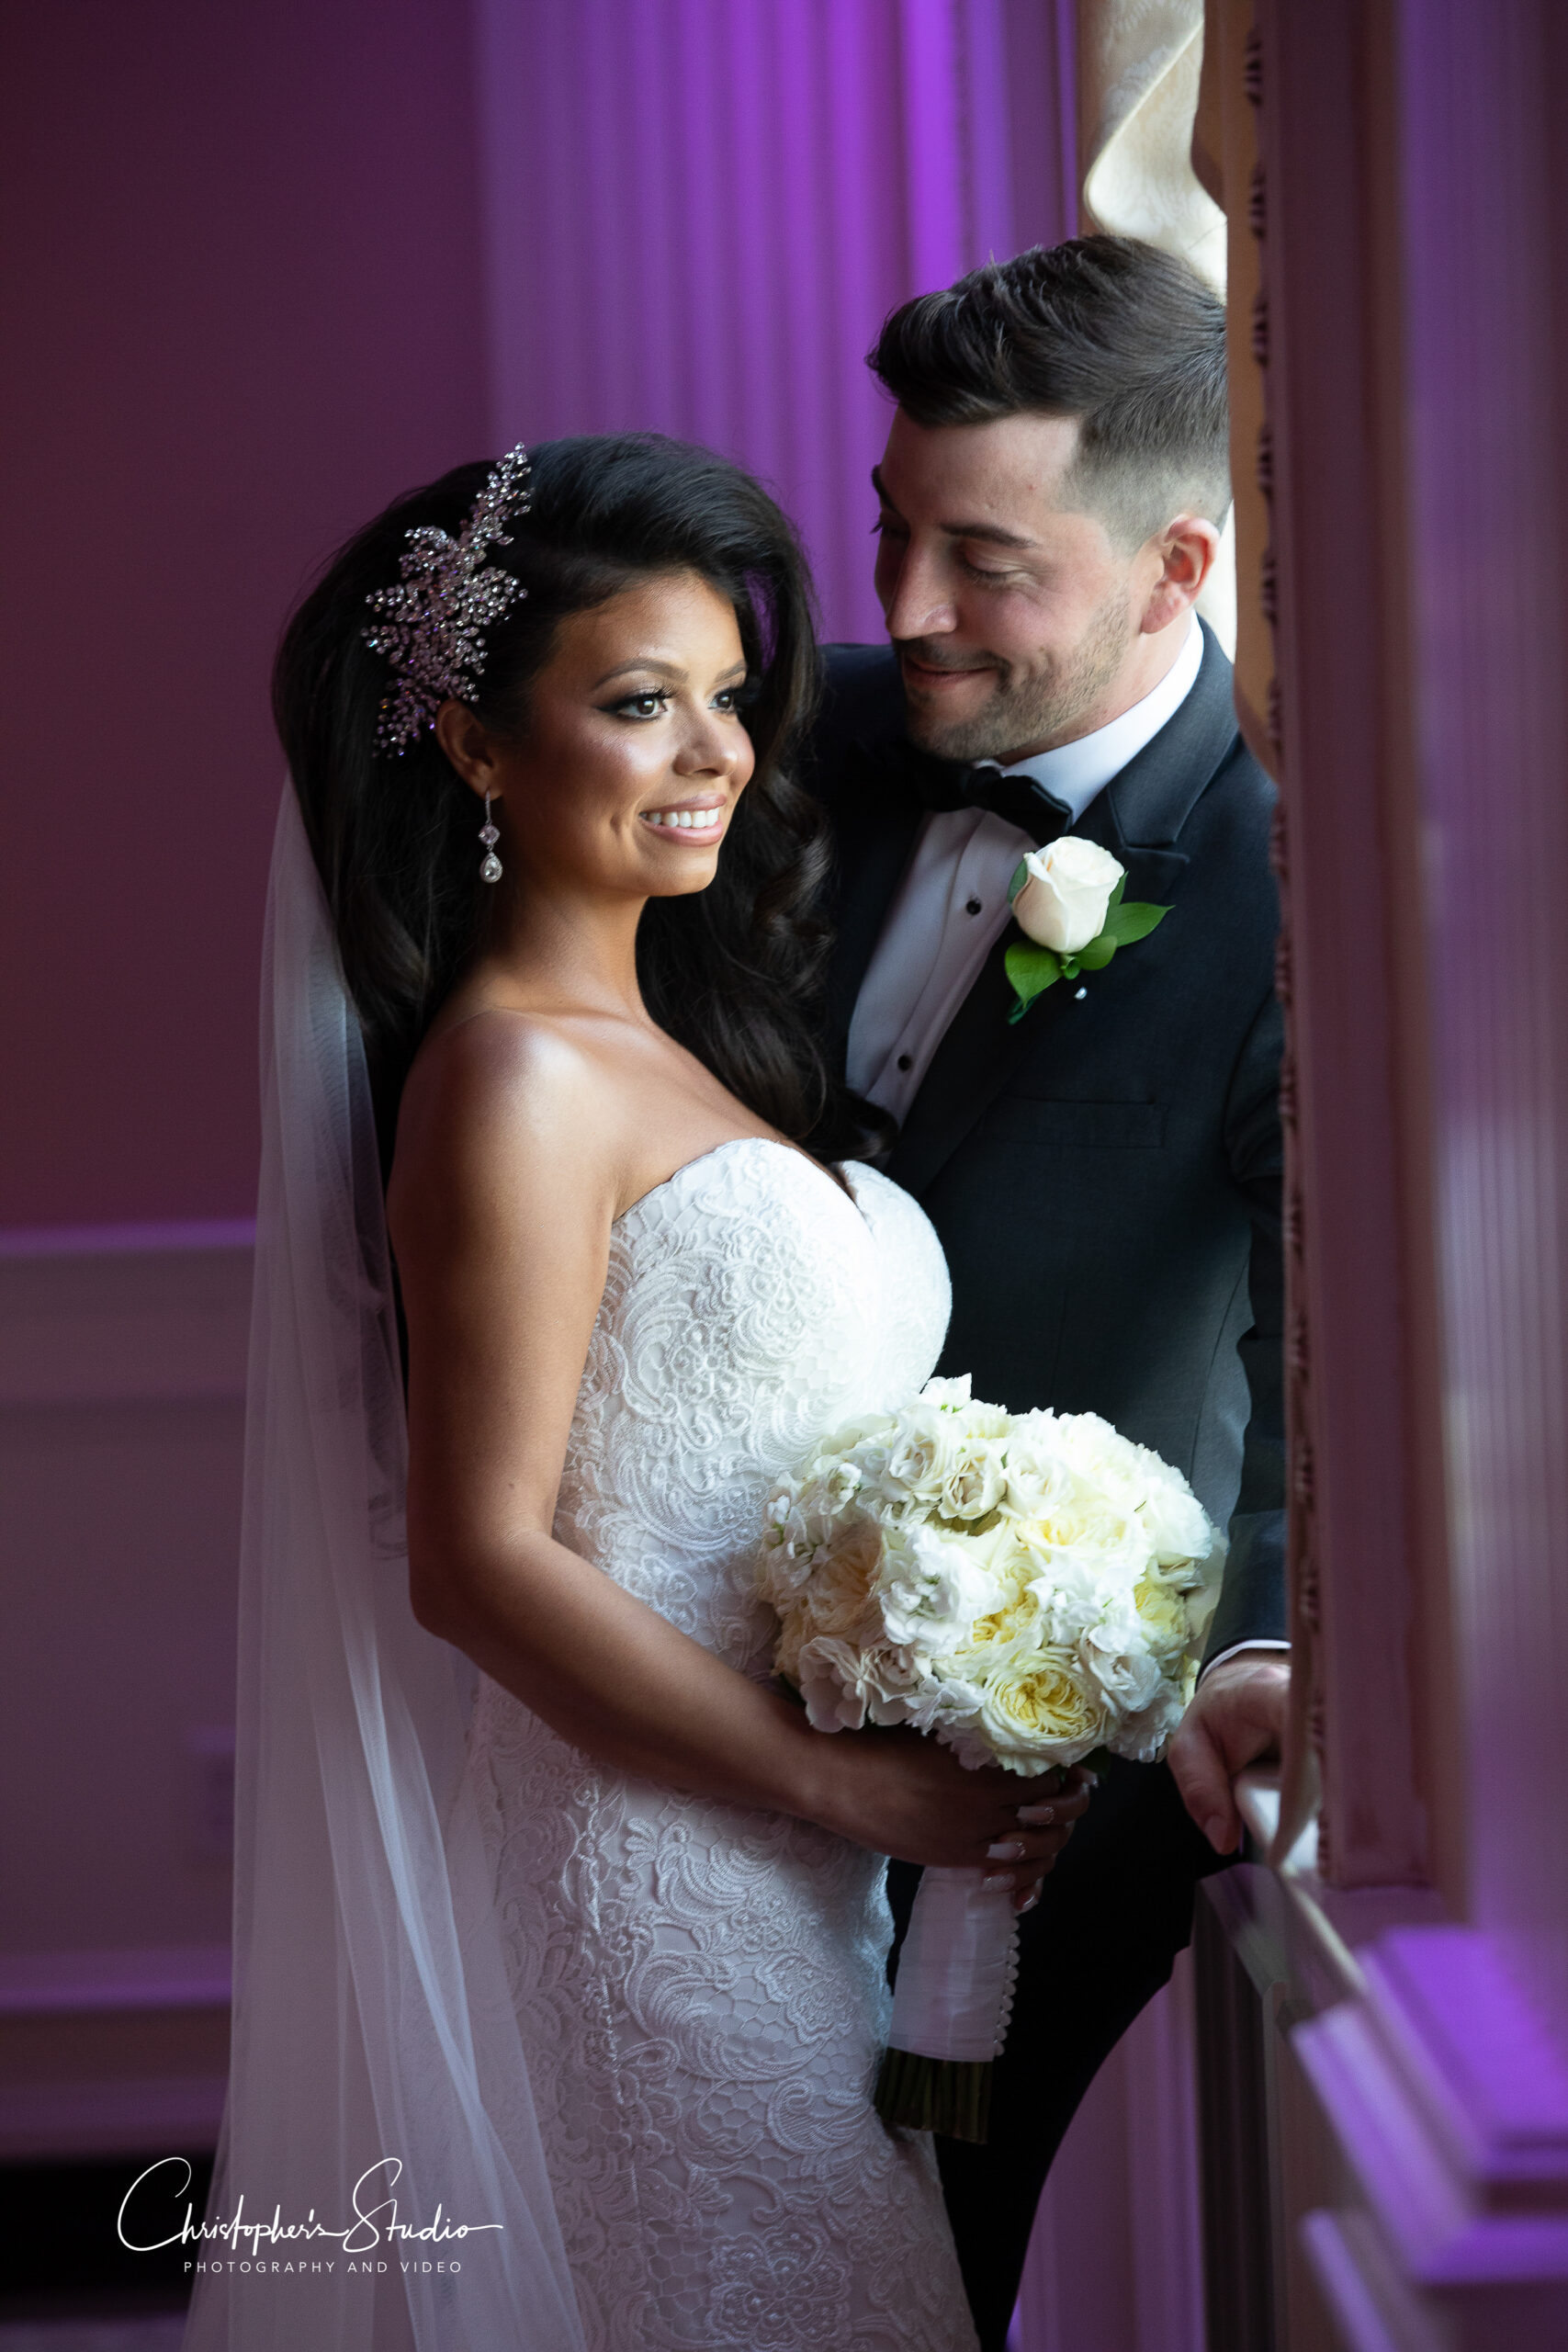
[[372, 2021]]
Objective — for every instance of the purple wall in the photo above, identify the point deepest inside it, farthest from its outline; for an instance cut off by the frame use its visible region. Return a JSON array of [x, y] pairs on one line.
[[268, 265], [243, 303]]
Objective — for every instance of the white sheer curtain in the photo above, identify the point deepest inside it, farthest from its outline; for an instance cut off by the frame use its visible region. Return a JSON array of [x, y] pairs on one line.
[[372, 2023], [1138, 65]]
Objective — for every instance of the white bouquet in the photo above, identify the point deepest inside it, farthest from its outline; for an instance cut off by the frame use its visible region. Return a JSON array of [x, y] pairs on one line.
[[1030, 1588]]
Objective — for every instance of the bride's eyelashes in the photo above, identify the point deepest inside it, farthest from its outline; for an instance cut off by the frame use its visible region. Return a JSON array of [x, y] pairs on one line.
[[654, 703]]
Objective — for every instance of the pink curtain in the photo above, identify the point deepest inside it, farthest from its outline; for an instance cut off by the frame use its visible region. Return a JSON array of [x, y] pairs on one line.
[[699, 212]]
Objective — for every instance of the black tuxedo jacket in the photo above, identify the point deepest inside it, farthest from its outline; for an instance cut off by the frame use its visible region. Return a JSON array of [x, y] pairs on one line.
[[1105, 1174]]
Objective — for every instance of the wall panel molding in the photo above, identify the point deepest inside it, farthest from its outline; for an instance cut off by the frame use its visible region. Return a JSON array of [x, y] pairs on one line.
[[131, 1314], [122, 1374]]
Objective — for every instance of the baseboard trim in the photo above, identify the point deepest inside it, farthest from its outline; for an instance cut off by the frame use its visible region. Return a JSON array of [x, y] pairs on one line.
[[107, 1984], [177, 2114]]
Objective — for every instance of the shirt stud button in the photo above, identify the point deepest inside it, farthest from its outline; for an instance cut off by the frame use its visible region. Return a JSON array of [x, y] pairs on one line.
[[974, 908], [906, 1061]]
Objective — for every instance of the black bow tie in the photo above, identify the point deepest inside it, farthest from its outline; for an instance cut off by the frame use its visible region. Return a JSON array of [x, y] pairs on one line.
[[1017, 799]]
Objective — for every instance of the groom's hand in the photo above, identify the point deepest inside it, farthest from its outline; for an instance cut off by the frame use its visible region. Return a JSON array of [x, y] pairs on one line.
[[1238, 1716]]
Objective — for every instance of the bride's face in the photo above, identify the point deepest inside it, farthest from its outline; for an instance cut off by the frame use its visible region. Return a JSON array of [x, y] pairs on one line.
[[634, 755]]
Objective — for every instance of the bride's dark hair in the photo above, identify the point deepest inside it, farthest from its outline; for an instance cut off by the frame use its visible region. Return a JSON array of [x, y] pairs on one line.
[[733, 971]]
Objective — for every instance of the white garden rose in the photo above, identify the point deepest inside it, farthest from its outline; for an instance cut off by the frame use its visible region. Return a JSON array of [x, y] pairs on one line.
[[1039, 1701], [925, 1451], [842, 1683], [1178, 1528], [838, 1597], [1102, 1457], [1065, 901], [1116, 1659], [1039, 1482], [932, 1588], [976, 1482]]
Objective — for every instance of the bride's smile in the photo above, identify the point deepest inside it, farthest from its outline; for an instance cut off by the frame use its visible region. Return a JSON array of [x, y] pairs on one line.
[[692, 823]]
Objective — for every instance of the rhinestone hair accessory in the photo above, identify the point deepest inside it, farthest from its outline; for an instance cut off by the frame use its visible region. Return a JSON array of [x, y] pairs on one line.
[[430, 628]]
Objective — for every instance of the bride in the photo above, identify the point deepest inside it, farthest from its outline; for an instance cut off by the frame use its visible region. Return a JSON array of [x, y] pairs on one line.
[[561, 1938]]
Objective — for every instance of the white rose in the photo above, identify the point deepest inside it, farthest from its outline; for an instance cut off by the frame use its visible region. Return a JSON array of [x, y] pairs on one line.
[[1040, 1709], [1038, 1486], [838, 1596], [842, 1683], [1065, 901], [924, 1453], [933, 1587], [976, 1481], [1115, 1657]]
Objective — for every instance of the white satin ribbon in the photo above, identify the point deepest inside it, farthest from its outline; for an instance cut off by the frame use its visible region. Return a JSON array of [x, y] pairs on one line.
[[957, 1970]]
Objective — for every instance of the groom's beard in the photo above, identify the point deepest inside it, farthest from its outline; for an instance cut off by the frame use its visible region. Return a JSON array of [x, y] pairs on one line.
[[1026, 710]]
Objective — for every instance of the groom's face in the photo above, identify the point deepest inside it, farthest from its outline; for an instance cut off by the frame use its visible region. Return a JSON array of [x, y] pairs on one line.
[[1017, 621]]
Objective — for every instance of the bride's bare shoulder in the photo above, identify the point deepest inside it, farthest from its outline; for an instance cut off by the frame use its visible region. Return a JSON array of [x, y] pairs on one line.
[[509, 1100]]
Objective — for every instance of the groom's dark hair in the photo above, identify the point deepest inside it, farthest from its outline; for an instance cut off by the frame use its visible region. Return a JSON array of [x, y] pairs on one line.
[[1115, 333]]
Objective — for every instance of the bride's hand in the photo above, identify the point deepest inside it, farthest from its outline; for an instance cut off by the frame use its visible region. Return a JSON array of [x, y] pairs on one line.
[[910, 1797]]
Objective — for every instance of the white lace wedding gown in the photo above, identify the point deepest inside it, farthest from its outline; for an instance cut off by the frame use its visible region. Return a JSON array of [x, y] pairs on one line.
[[700, 1986]]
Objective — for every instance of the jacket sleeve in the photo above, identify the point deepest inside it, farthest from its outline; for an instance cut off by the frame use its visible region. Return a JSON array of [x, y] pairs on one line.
[[1252, 1597]]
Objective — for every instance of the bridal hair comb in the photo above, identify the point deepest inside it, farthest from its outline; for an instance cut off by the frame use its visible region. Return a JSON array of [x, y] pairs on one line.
[[429, 628]]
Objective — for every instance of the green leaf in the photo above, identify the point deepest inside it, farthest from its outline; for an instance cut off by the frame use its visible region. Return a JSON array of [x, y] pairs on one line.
[[1116, 894], [1126, 924], [1097, 954], [1019, 876], [1031, 970]]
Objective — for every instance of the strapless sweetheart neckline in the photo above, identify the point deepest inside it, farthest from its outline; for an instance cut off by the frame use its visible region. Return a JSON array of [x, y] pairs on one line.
[[742, 1143]]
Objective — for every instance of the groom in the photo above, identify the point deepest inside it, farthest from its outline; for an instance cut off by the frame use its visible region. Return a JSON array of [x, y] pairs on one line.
[[1104, 1173]]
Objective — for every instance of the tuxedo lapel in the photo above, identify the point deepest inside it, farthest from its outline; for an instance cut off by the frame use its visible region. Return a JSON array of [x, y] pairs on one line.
[[1137, 818]]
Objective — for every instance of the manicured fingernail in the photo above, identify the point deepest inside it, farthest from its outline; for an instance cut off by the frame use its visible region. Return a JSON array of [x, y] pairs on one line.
[[1029, 1903], [1092, 1779], [1218, 1833], [1032, 1815], [997, 1878], [1006, 1850]]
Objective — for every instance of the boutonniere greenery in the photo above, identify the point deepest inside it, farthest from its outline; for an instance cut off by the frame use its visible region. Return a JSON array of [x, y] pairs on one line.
[[1067, 899]]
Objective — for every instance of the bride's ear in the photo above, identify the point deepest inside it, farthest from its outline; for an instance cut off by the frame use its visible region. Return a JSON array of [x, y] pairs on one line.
[[470, 747]]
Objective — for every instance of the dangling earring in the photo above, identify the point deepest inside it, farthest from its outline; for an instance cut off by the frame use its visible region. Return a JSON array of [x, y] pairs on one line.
[[489, 871]]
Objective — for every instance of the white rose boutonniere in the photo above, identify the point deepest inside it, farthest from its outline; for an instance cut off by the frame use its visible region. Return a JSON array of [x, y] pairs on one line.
[[1067, 899]]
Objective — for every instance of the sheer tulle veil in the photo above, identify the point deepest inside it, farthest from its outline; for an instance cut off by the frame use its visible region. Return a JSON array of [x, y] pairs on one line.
[[372, 2022]]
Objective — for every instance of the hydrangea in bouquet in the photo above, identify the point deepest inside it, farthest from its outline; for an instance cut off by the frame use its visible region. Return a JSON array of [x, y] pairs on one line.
[[1032, 1589]]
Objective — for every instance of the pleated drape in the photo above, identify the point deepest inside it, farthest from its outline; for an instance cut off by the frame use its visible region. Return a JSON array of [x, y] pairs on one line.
[[699, 212]]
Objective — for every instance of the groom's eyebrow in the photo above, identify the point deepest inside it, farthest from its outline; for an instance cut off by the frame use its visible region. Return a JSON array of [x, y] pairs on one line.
[[990, 531]]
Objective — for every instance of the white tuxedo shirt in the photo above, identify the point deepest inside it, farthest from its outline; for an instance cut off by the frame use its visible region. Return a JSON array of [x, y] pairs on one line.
[[951, 906]]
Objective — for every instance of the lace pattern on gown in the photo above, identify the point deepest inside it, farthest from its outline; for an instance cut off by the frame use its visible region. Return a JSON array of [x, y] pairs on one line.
[[701, 1987]]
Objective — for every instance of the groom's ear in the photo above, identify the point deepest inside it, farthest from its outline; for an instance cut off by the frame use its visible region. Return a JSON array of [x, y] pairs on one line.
[[1177, 559], [470, 747]]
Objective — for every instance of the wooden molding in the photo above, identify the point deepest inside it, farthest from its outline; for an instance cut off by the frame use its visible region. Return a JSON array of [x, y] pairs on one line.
[[1448, 2101]]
